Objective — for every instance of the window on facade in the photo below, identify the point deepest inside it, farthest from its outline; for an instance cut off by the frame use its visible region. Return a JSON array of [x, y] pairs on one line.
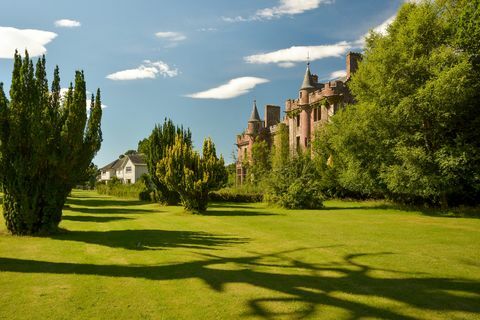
[[317, 114], [298, 121], [128, 169], [298, 143], [300, 94], [245, 153]]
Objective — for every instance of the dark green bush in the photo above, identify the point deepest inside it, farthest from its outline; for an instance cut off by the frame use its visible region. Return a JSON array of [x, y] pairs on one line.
[[114, 187], [235, 195]]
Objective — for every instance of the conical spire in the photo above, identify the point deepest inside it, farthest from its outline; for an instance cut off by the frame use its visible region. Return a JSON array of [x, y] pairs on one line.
[[307, 80], [254, 116]]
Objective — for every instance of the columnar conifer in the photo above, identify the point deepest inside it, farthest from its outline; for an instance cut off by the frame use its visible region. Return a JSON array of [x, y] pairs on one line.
[[161, 138], [46, 144], [192, 176]]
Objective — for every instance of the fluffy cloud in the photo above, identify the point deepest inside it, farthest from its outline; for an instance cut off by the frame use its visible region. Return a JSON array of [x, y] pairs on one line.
[[233, 88], [285, 7], [287, 57], [21, 39], [172, 37], [338, 74], [148, 70], [67, 23]]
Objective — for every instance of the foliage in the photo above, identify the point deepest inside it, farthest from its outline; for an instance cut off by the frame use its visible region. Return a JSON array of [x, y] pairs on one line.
[[192, 176], [281, 147], [413, 135], [46, 144], [155, 148], [295, 185], [238, 194], [89, 179], [260, 165], [139, 190]]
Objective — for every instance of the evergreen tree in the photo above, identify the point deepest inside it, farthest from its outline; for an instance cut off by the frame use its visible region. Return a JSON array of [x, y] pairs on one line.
[[413, 135], [45, 145], [162, 137], [192, 176]]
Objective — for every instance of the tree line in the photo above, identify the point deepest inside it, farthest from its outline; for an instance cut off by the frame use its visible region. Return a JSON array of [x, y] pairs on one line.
[[413, 134]]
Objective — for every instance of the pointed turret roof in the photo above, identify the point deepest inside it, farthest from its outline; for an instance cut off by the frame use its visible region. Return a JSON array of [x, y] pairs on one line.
[[307, 80], [254, 116]]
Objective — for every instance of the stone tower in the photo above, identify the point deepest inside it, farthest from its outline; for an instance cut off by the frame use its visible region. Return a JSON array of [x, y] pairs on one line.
[[303, 123]]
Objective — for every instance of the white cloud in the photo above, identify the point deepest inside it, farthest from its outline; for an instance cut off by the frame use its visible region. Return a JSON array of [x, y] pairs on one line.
[[207, 29], [148, 70], [233, 88], [287, 57], [67, 23], [284, 7], [32, 40], [338, 74], [286, 64], [171, 36]]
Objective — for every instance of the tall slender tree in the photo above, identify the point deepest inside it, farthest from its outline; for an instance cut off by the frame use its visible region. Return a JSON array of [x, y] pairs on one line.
[[162, 137], [46, 144]]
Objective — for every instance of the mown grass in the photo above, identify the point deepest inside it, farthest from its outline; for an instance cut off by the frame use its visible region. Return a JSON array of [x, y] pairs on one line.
[[121, 259]]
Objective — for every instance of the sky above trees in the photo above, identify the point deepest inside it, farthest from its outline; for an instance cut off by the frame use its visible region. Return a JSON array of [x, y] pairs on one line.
[[200, 63]]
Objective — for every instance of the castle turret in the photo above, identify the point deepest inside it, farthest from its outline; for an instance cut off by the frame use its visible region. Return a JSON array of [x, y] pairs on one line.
[[254, 123], [307, 86]]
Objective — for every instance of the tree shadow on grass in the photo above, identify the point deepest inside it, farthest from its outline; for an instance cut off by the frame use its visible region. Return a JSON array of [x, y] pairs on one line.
[[310, 290], [431, 212], [93, 218], [104, 202], [233, 213], [150, 239], [111, 210]]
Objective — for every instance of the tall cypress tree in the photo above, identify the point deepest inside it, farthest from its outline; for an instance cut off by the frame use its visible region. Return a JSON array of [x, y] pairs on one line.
[[45, 145], [162, 137]]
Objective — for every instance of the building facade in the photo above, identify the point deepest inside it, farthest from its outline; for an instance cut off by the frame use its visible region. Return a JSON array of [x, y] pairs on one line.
[[315, 104], [128, 169]]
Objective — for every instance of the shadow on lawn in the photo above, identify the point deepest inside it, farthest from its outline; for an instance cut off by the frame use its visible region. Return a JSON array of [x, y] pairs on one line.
[[149, 239], [93, 218], [111, 210], [431, 212], [103, 202], [315, 288], [235, 213]]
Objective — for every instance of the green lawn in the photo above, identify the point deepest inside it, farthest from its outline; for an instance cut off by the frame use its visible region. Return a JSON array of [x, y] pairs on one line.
[[120, 259]]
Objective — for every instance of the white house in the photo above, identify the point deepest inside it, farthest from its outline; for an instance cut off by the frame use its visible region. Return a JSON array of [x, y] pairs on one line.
[[128, 169]]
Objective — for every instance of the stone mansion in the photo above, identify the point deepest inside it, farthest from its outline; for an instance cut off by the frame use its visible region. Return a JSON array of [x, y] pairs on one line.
[[315, 104]]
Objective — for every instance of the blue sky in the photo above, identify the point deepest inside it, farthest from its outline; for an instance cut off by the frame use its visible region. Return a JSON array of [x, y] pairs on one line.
[[200, 63]]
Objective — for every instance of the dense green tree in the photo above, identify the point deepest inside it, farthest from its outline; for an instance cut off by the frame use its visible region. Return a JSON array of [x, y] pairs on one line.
[[162, 137], [46, 144], [280, 152], [190, 174], [413, 135], [295, 184], [260, 162]]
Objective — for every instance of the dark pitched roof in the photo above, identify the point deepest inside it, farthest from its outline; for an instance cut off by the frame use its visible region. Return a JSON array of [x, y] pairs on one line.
[[137, 159], [111, 165], [307, 79], [254, 116]]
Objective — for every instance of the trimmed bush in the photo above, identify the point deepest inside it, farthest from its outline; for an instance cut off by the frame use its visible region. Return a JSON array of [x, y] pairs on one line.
[[235, 195]]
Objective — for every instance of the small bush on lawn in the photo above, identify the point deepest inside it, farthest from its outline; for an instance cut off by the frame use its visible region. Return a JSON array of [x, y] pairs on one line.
[[236, 195], [115, 187]]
